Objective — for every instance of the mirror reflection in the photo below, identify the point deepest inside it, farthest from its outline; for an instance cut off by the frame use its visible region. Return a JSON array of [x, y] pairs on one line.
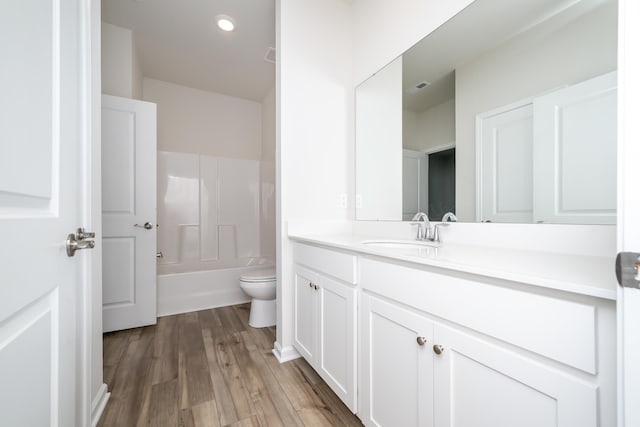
[[506, 113]]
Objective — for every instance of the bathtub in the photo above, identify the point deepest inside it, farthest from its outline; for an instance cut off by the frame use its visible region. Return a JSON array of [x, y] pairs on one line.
[[190, 287]]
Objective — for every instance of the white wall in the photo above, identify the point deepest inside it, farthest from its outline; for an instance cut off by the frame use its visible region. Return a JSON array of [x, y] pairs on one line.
[[121, 73], [500, 77], [314, 154], [268, 176], [384, 29], [431, 128], [201, 122]]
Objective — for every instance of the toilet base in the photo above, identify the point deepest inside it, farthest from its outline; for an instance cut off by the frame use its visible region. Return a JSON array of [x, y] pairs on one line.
[[263, 313]]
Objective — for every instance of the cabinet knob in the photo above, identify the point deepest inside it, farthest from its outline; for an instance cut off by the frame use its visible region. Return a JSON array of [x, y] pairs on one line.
[[316, 287], [421, 340], [311, 285], [438, 349]]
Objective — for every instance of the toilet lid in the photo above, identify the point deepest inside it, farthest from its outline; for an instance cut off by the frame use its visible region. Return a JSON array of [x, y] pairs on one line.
[[264, 275]]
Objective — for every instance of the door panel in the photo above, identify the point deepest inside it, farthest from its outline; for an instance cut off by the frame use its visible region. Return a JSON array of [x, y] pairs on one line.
[[128, 198], [477, 383], [505, 174], [337, 364], [575, 149], [397, 372], [305, 313], [41, 148]]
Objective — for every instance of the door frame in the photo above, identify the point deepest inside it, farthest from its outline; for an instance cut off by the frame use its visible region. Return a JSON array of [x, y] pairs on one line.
[[89, 326]]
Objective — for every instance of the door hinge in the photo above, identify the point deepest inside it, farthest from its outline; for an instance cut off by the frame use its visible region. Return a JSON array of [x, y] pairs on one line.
[[627, 269]]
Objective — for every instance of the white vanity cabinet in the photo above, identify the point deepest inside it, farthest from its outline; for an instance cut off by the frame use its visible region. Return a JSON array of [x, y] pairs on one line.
[[447, 350], [325, 316]]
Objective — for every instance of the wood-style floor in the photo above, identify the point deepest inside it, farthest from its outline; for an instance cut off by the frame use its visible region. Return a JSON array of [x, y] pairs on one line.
[[209, 368]]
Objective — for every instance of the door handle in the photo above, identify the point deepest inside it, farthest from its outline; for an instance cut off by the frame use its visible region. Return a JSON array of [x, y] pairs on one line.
[[73, 244], [146, 226]]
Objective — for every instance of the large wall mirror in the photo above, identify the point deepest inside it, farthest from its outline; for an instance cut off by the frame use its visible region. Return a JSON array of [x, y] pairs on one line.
[[505, 113]]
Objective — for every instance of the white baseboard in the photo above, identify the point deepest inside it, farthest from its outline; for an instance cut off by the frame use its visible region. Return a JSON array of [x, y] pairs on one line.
[[284, 354], [99, 403]]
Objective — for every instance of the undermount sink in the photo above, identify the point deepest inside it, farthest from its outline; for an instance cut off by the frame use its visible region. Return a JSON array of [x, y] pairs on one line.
[[400, 244]]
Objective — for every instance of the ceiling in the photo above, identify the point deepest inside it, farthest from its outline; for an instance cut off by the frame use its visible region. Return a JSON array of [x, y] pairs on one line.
[[179, 42], [476, 30]]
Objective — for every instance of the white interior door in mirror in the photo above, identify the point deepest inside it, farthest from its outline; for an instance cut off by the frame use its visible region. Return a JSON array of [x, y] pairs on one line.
[[414, 183], [575, 153], [505, 176], [378, 155], [128, 203]]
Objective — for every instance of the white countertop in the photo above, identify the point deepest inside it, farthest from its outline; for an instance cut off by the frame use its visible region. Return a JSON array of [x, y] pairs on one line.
[[581, 274]]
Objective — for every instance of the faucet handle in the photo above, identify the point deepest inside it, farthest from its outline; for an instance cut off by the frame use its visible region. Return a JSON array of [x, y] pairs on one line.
[[420, 235], [436, 227]]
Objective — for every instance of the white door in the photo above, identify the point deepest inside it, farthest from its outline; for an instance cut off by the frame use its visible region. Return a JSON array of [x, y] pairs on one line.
[[337, 347], [397, 366], [575, 149], [414, 183], [41, 202], [504, 176], [481, 384], [128, 213], [304, 323], [629, 209]]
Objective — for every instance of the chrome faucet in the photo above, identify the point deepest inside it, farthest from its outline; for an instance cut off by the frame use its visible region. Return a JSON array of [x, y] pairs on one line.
[[424, 226], [427, 232], [449, 217]]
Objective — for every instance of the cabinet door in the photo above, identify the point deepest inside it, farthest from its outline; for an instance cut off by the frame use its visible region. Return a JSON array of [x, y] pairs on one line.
[[482, 384], [337, 355], [396, 371], [305, 313]]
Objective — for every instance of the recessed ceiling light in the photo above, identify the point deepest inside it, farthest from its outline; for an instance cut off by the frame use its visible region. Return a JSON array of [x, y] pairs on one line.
[[225, 23]]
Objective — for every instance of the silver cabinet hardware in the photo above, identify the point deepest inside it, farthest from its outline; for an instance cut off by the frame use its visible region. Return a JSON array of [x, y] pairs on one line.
[[311, 285], [74, 244], [627, 269], [421, 340], [146, 226], [438, 349]]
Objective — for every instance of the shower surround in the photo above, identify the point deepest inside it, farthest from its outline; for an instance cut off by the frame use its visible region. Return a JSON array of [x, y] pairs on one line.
[[209, 216]]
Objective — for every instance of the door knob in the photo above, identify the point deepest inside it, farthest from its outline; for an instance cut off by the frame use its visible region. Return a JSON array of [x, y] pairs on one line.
[[146, 226], [81, 234], [74, 244]]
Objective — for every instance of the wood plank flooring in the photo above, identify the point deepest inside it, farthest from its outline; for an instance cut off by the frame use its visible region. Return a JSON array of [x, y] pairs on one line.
[[209, 368]]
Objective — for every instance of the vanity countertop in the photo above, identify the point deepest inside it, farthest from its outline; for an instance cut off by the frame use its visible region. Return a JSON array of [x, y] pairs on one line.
[[581, 274]]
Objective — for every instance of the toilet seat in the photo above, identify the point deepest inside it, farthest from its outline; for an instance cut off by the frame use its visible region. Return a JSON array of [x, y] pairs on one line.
[[259, 276]]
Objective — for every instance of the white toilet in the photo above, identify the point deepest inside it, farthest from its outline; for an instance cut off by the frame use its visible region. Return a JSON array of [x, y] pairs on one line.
[[260, 285]]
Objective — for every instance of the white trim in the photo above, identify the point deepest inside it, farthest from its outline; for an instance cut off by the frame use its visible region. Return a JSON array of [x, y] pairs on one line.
[[439, 148], [99, 403], [89, 89], [285, 354]]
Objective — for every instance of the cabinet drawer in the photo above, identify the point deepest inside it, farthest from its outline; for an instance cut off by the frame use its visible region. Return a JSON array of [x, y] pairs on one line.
[[337, 264], [561, 330]]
